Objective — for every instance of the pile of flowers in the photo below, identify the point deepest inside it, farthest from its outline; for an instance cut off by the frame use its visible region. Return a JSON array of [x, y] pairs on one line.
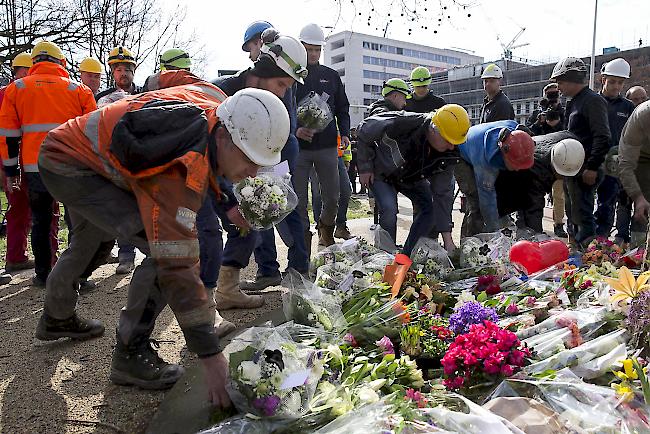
[[484, 354], [468, 314], [601, 249], [265, 200]]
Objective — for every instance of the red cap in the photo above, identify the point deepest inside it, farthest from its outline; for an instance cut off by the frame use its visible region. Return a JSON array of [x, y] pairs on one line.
[[518, 148]]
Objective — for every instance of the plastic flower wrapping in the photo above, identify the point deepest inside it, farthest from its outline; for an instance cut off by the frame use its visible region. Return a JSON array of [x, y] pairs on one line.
[[265, 200], [314, 112]]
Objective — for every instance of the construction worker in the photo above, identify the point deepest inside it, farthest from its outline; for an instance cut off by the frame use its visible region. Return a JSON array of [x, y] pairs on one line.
[[612, 76], [394, 94], [175, 66], [556, 155], [123, 66], [399, 151], [90, 70], [32, 106], [318, 150], [146, 188], [586, 118], [422, 99], [636, 94], [281, 63], [489, 149], [634, 168], [253, 38], [496, 105]]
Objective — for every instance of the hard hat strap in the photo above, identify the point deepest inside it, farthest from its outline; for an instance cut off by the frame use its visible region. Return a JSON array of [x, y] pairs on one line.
[[504, 134], [173, 59]]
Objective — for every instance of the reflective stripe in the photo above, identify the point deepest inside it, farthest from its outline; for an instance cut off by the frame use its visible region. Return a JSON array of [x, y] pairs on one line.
[[38, 128], [210, 91], [20, 84], [30, 167], [187, 218], [72, 86], [10, 161], [7, 132], [92, 130], [175, 249]]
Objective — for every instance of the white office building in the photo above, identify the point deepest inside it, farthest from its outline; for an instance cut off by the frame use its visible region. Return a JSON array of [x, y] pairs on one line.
[[364, 62]]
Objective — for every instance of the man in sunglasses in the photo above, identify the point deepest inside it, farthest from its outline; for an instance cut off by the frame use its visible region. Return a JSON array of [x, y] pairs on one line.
[[489, 149], [281, 63]]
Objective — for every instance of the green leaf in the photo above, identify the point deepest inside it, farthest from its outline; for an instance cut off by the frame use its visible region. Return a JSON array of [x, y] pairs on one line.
[[482, 297]]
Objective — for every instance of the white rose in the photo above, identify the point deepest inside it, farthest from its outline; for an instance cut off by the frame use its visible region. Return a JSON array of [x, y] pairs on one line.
[[277, 190], [247, 192], [367, 395], [250, 370]]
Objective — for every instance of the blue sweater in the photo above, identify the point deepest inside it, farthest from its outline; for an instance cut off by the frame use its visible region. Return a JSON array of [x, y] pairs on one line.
[[481, 151]]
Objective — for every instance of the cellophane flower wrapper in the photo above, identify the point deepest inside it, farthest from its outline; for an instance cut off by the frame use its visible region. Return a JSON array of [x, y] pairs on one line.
[[581, 407], [265, 200], [313, 112], [244, 424], [311, 305], [583, 318], [383, 241], [271, 375], [349, 253], [484, 249], [581, 354], [432, 257]]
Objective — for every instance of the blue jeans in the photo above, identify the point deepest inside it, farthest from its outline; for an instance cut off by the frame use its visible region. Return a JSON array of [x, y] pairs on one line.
[[580, 207], [210, 241], [420, 195], [344, 195], [607, 198]]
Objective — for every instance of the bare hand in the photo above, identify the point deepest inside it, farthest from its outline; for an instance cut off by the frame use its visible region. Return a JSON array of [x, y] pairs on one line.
[[641, 209], [589, 177], [345, 142], [305, 133], [236, 218], [216, 374], [366, 179], [13, 184]]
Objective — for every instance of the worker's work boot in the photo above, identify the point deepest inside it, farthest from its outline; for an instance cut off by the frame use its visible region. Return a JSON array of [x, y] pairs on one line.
[[326, 234], [138, 364], [75, 327], [125, 267], [342, 232], [260, 283], [308, 236], [222, 326], [19, 266], [559, 231], [229, 295]]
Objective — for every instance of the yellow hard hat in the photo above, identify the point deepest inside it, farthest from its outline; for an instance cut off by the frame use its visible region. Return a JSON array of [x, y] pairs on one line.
[[120, 54], [22, 60], [452, 122], [90, 64], [47, 48]]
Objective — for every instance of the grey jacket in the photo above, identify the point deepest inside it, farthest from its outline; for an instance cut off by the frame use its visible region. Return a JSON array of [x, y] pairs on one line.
[[634, 152]]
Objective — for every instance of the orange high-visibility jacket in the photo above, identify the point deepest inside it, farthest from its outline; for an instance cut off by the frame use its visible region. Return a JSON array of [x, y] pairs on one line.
[[171, 78], [169, 191], [36, 104]]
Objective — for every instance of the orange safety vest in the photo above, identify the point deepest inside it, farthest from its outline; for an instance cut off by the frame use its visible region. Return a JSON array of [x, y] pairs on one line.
[[171, 78], [36, 104], [168, 195]]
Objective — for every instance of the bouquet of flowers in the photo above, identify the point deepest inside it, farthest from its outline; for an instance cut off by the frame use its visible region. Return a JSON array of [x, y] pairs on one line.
[[314, 112], [428, 336], [484, 249], [350, 253], [468, 314], [486, 353], [265, 200], [432, 258], [601, 249], [270, 374]]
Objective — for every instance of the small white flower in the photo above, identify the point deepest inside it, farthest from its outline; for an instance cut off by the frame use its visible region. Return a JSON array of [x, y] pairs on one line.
[[247, 192], [250, 370], [277, 190]]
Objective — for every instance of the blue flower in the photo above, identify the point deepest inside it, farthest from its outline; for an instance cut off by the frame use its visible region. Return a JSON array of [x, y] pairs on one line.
[[470, 313]]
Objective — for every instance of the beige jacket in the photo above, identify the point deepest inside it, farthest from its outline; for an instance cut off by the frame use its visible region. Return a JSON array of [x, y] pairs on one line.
[[634, 152]]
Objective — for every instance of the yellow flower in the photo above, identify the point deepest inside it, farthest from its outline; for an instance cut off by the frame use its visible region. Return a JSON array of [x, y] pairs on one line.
[[625, 286], [624, 391]]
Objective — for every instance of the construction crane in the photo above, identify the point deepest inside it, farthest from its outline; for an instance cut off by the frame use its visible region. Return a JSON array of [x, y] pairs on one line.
[[507, 48]]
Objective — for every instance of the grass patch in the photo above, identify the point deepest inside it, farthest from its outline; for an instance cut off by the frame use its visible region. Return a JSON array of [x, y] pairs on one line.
[[358, 208]]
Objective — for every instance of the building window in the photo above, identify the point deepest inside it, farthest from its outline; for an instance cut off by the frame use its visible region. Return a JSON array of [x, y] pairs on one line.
[[338, 44], [377, 75], [368, 101], [518, 108], [341, 72], [412, 53], [338, 59], [366, 45]]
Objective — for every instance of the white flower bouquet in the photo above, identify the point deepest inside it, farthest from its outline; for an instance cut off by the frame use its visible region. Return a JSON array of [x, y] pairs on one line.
[[265, 200], [314, 112], [432, 257], [484, 249], [271, 375]]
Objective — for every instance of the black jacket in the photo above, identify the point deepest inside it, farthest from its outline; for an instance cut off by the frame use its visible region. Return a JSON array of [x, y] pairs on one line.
[[618, 110], [393, 146], [134, 91], [381, 106], [586, 117], [497, 109], [322, 79], [427, 104]]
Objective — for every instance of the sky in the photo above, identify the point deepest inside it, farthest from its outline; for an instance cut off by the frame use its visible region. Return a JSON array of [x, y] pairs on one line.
[[554, 28]]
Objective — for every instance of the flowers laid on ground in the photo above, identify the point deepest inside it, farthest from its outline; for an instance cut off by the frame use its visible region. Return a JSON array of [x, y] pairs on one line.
[[470, 313], [632, 375], [626, 287], [265, 200], [601, 249], [485, 353], [489, 284]]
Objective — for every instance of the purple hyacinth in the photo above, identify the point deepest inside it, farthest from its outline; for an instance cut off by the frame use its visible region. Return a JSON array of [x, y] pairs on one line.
[[267, 404], [470, 313]]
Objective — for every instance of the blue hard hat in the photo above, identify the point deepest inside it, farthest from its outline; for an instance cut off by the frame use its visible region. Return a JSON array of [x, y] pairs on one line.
[[253, 29]]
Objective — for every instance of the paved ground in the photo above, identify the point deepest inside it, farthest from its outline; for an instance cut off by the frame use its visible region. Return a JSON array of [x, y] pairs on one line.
[[62, 387]]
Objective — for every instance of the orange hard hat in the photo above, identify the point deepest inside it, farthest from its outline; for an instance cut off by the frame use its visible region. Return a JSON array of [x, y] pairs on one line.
[[517, 148]]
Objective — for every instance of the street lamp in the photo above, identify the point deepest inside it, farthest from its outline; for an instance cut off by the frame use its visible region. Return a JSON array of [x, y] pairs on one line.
[[592, 68]]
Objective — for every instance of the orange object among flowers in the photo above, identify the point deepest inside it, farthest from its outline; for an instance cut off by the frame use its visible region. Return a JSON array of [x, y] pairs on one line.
[[395, 273]]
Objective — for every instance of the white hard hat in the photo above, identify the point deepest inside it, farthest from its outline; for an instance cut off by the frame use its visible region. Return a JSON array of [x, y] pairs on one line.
[[567, 157], [492, 71], [312, 34], [616, 68], [288, 53], [258, 123]]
